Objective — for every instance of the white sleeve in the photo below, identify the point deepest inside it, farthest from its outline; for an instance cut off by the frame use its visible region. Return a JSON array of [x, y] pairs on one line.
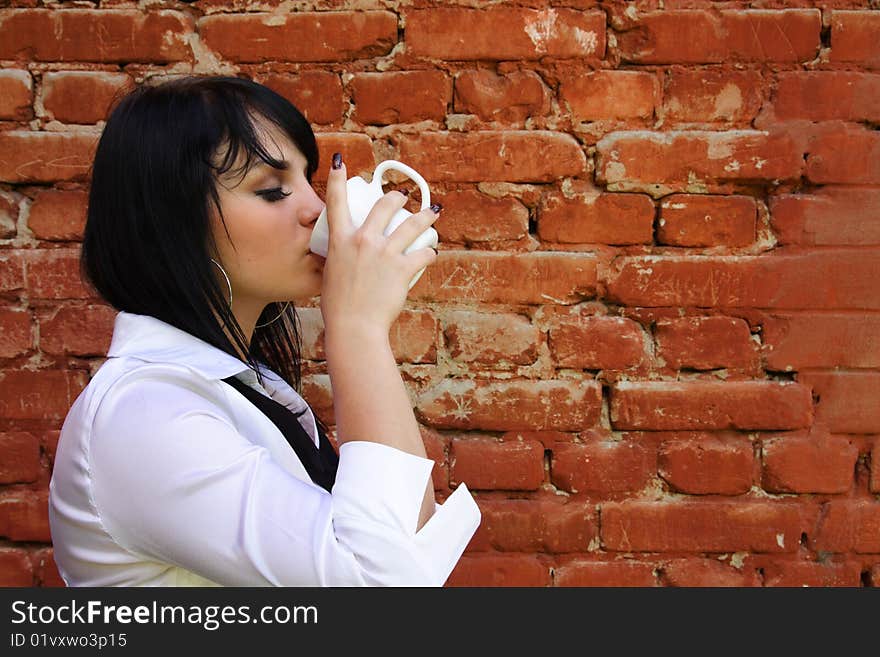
[[174, 481]]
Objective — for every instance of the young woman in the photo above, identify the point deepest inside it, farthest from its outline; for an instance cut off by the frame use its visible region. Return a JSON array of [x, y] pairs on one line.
[[191, 459]]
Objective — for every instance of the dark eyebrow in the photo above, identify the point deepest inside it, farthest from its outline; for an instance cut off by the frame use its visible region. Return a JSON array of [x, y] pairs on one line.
[[284, 166], [265, 165]]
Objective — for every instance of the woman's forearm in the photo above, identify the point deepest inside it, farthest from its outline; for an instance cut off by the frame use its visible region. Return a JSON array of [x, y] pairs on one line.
[[369, 397]]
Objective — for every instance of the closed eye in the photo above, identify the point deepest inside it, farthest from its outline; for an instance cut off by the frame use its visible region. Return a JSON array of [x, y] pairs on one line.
[[273, 195]]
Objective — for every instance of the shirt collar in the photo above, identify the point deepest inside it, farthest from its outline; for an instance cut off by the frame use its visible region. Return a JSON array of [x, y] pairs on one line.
[[150, 339]]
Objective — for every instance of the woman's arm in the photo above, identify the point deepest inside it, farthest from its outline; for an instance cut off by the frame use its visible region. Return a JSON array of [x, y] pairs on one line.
[[364, 288], [369, 397]]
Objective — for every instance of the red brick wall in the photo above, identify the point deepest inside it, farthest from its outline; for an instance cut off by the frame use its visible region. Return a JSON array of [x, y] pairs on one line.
[[651, 344]]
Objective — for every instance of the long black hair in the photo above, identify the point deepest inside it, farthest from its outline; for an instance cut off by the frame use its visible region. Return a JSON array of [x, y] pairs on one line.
[[147, 244]]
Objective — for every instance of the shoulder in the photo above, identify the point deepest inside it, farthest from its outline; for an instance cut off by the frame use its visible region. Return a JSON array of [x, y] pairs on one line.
[[134, 387]]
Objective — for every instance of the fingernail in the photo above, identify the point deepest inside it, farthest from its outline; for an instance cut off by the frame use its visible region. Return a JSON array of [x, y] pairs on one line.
[[436, 207], [404, 191], [435, 250], [337, 160]]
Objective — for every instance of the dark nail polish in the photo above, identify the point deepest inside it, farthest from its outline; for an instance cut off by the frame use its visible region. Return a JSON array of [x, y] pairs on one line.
[[337, 160], [436, 251], [436, 207], [405, 192]]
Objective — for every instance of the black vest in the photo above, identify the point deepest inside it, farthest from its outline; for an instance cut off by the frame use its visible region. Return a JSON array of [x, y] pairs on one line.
[[320, 462]]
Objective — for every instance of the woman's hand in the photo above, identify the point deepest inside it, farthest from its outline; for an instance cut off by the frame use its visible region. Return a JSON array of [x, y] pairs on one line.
[[366, 275]]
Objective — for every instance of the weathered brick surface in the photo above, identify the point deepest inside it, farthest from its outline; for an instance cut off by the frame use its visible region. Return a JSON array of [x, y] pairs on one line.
[[648, 343]]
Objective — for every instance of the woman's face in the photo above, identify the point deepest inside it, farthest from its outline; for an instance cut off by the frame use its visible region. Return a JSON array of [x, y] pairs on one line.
[[270, 215]]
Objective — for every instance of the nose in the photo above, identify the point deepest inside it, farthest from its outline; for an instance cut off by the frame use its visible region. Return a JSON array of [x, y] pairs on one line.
[[312, 209]]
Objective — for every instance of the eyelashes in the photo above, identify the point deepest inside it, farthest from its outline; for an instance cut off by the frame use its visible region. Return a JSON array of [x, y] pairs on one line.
[[273, 195]]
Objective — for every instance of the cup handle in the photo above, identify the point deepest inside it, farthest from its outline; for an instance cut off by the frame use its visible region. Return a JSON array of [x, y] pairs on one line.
[[407, 171]]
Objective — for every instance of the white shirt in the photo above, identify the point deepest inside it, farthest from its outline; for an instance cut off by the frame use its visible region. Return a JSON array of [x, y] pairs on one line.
[[167, 476]]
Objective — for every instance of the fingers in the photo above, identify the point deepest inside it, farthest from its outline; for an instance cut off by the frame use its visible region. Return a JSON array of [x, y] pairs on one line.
[[383, 211], [412, 227], [338, 216]]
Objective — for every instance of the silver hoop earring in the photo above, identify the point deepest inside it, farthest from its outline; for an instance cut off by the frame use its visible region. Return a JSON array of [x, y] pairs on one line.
[[276, 318], [228, 284]]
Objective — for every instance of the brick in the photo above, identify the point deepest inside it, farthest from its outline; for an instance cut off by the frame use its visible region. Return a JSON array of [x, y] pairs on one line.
[[400, 96], [827, 96], [86, 35], [300, 37], [316, 389], [310, 327], [9, 212], [470, 217], [822, 279], [703, 405], [493, 465], [685, 161], [596, 218], [854, 37], [317, 94], [707, 573], [597, 343], [812, 573], [736, 35], [21, 457], [436, 447], [16, 333], [511, 405], [508, 97], [535, 526], [875, 467], [356, 149], [708, 465], [711, 94], [45, 156], [501, 339], [39, 395], [16, 95], [602, 466], [55, 274], [45, 569], [610, 95], [501, 570], [24, 516], [846, 401], [549, 439], [642, 526], [12, 270], [845, 154], [808, 464], [624, 573], [49, 443], [705, 343], [848, 526], [805, 340], [15, 568], [59, 215], [700, 220], [78, 330], [826, 217], [82, 96], [413, 337], [528, 278], [487, 156], [499, 33]]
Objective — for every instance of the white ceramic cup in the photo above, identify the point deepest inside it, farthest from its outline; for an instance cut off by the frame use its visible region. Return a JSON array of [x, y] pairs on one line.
[[362, 196]]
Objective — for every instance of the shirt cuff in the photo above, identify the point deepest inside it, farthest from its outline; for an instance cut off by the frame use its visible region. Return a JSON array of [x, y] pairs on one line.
[[444, 537], [387, 485], [382, 483]]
